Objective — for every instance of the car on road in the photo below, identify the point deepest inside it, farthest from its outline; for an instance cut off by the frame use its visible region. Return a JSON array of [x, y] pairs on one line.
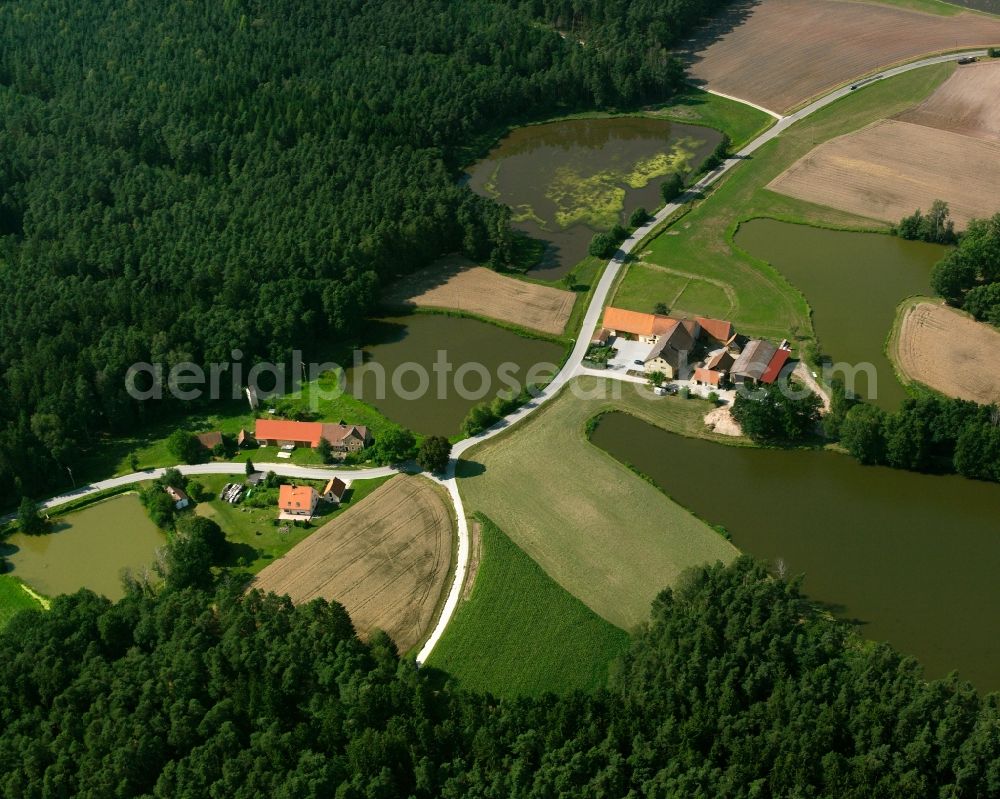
[[639, 362]]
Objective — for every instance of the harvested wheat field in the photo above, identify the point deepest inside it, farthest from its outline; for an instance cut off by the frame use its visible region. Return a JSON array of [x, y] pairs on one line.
[[967, 103], [386, 560], [458, 285], [780, 53], [948, 351], [890, 168]]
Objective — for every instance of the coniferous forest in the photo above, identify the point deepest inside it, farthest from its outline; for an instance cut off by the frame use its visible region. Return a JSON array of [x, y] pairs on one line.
[[737, 687], [178, 179]]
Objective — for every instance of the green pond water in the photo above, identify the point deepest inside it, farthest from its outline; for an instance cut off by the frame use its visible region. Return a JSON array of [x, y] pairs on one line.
[[853, 282], [565, 181], [914, 558], [470, 355], [88, 549]]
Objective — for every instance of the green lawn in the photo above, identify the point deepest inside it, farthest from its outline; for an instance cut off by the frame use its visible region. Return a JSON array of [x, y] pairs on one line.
[[519, 633], [13, 598], [701, 242], [739, 121], [255, 540], [684, 293], [605, 535]]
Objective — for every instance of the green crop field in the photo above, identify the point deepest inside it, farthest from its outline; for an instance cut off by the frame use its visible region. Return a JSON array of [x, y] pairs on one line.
[[520, 633], [605, 535], [700, 242], [12, 599]]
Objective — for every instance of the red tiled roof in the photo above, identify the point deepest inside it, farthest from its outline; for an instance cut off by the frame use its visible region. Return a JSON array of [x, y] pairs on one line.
[[283, 430], [295, 497], [774, 367], [636, 323], [719, 329], [709, 376]]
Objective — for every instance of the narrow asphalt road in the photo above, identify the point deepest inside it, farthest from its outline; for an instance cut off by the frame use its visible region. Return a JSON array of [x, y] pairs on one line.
[[570, 369]]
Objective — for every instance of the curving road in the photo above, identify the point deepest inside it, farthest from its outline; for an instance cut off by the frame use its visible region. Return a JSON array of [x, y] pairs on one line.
[[572, 368]]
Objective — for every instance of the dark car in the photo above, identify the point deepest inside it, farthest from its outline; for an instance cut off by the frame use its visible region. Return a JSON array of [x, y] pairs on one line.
[[638, 362]]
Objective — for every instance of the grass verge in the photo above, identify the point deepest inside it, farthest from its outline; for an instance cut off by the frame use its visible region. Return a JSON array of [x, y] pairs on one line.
[[13, 599], [520, 633]]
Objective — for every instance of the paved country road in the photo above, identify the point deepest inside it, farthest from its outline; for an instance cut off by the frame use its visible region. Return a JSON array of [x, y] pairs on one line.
[[570, 369]]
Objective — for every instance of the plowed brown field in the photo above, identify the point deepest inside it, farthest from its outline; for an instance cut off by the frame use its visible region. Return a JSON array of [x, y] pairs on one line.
[[891, 168], [386, 560], [950, 352], [456, 285], [967, 103], [780, 53]]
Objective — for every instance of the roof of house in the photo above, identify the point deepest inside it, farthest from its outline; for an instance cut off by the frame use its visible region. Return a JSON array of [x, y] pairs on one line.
[[709, 376], [335, 433], [284, 430], [721, 360], [255, 478], [675, 343], [636, 323], [774, 367], [292, 497], [336, 486], [754, 359], [210, 440], [602, 335], [243, 436], [719, 329], [176, 494]]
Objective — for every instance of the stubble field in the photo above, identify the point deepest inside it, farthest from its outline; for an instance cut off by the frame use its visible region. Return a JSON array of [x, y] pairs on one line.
[[386, 560], [781, 53]]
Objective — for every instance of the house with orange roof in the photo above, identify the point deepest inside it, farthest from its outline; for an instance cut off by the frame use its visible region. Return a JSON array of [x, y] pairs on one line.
[[297, 503], [719, 330], [646, 327], [341, 437]]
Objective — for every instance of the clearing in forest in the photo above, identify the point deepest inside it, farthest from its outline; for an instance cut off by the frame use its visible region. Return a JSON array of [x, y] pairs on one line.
[[781, 53], [456, 285], [967, 103], [386, 560], [889, 169], [949, 351]]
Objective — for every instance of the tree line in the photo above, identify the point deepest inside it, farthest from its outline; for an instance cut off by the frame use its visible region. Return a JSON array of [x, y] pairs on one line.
[[737, 686], [182, 179]]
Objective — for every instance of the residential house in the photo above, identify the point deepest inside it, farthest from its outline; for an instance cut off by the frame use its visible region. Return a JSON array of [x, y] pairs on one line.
[[645, 327], [600, 339], [715, 371], [297, 502], [760, 362], [670, 352], [244, 440], [334, 490], [181, 499], [346, 437], [341, 437]]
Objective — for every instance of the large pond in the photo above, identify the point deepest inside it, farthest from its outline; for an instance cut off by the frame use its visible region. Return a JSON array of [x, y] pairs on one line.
[[88, 549], [853, 282], [425, 371], [565, 181], [913, 557]]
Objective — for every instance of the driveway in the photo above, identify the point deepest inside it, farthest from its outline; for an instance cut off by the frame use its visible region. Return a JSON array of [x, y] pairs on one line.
[[626, 354]]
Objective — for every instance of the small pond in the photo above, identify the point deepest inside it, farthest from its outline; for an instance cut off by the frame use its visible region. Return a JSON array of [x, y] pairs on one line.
[[914, 558], [565, 181], [89, 548], [853, 282], [436, 367]]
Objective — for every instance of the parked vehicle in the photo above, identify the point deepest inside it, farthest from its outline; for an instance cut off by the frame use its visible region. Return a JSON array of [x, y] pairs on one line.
[[969, 59]]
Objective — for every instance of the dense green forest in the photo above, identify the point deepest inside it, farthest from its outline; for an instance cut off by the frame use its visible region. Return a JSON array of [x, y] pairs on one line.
[[178, 179], [736, 687]]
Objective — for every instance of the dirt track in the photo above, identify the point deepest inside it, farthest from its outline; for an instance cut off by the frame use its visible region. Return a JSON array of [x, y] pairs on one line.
[[386, 560], [950, 352], [889, 169], [967, 103], [458, 285], [779, 53]]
